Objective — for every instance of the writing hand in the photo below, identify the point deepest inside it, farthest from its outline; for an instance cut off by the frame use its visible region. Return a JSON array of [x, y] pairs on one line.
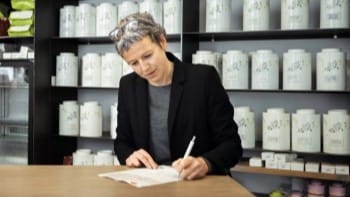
[[190, 168], [139, 158]]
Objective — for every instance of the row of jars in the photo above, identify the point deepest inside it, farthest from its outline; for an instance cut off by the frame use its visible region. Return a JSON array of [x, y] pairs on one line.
[[297, 69], [96, 70], [302, 133], [89, 20], [294, 14], [85, 157], [85, 120]]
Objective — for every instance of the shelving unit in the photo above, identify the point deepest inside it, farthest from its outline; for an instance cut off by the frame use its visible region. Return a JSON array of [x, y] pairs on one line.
[[243, 167]]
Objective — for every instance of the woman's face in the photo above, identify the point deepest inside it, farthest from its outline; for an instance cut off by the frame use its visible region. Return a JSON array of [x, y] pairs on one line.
[[148, 60]]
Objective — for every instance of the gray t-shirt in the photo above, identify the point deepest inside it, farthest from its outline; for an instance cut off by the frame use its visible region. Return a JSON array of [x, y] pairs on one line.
[[159, 137]]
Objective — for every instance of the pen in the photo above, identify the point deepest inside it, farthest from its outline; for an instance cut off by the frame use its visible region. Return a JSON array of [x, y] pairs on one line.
[[189, 147]]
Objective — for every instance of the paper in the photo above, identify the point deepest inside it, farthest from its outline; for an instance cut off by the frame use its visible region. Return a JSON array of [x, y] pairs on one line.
[[143, 177]]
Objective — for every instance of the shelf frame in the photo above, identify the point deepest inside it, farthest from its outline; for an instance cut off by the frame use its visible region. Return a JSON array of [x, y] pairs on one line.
[[272, 34]]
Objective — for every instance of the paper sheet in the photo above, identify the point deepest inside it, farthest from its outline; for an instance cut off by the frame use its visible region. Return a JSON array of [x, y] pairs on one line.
[[143, 177]]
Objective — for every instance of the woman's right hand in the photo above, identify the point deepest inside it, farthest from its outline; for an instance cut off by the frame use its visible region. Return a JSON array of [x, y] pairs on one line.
[[141, 158]]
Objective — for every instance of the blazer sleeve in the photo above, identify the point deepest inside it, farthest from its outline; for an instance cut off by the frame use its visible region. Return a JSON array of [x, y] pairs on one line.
[[123, 145], [227, 149]]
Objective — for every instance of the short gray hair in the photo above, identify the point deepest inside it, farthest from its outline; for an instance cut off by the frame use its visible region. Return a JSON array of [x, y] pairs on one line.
[[134, 28]]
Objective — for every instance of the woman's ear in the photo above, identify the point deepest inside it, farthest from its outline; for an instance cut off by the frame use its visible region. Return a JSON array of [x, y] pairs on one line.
[[163, 42]]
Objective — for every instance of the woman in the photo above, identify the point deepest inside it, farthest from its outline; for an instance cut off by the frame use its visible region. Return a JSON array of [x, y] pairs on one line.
[[165, 102]]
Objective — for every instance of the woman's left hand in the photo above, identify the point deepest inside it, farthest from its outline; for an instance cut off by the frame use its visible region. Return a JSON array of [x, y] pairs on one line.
[[190, 168]]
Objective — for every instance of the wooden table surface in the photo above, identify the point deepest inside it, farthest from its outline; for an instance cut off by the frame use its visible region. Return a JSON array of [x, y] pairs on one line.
[[65, 181]]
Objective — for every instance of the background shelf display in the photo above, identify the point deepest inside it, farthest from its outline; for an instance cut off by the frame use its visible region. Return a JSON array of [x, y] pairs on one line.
[[243, 167]]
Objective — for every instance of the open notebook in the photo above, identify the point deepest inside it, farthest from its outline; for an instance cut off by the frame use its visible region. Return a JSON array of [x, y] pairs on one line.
[[143, 177]]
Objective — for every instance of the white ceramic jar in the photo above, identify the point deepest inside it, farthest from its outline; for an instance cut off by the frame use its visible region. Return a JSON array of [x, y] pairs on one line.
[[172, 16], [265, 70], [218, 16], [256, 15], [90, 119], [306, 131], [334, 14], [66, 69], [297, 70], [111, 70], [114, 120], [85, 20], [126, 8], [235, 70], [69, 118], [336, 132], [245, 120], [104, 158], [67, 21], [294, 14], [83, 157], [91, 70], [153, 7], [207, 57], [276, 130], [330, 69], [106, 18]]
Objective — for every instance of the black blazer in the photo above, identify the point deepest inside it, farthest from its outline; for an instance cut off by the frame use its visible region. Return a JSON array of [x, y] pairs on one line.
[[199, 106]]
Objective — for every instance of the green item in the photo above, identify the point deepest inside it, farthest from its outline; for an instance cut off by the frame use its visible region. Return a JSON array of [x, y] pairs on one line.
[[277, 193], [20, 18], [15, 31], [23, 4], [1, 15]]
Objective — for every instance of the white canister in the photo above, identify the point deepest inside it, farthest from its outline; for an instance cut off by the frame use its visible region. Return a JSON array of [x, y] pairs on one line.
[[91, 70], [294, 14], [205, 57], [91, 119], [111, 70], [336, 132], [235, 70], [256, 15], [85, 20], [218, 16], [245, 120], [172, 16], [67, 21], [104, 158], [334, 14], [297, 70], [106, 18], [330, 69], [265, 70], [66, 69], [306, 131], [153, 7], [82, 157], [276, 130], [126, 8], [114, 120], [69, 118]]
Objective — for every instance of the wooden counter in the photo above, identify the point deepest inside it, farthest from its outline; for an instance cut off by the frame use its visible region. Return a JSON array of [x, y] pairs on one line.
[[75, 181]]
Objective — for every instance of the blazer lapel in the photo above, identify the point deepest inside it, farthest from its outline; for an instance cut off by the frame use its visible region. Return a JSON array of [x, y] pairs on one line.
[[141, 96], [175, 94]]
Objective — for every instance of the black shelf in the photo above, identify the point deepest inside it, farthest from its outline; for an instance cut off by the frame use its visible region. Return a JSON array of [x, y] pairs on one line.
[[103, 40], [16, 62], [25, 39], [84, 87], [272, 34], [293, 91], [13, 122]]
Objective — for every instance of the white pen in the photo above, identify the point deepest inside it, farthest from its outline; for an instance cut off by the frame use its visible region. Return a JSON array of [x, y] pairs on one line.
[[189, 147]]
